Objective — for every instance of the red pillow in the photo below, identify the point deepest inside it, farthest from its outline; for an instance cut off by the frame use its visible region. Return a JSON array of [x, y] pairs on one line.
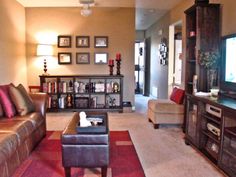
[[7, 105], [177, 95], [1, 110]]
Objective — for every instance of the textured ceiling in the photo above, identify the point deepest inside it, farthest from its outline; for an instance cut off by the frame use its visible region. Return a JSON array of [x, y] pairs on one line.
[[147, 11]]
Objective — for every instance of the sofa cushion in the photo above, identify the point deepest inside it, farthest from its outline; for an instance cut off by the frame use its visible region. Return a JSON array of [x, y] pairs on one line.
[[22, 103], [165, 106], [22, 128], [7, 105], [177, 95], [8, 145], [28, 99]]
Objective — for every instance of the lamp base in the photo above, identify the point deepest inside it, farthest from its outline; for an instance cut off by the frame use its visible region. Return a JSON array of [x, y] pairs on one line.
[[45, 67]]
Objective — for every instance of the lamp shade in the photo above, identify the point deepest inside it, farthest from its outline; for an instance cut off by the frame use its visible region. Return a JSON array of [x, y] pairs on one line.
[[44, 50]]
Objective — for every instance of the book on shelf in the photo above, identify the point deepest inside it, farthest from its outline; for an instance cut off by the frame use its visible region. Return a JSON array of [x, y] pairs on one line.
[[109, 87], [49, 102], [50, 87], [93, 102]]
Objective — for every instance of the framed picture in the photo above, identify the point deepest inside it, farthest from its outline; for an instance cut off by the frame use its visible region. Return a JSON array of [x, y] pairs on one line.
[[64, 58], [100, 41], [100, 58], [82, 41], [64, 41], [82, 58]]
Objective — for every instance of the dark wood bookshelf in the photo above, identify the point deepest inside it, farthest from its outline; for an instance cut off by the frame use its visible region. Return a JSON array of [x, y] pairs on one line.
[[86, 92], [204, 21]]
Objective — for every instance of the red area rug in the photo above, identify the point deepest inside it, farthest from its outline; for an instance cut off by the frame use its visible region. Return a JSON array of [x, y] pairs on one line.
[[45, 160]]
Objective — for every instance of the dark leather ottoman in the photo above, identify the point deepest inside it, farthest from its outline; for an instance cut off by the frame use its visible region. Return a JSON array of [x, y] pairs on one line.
[[86, 150]]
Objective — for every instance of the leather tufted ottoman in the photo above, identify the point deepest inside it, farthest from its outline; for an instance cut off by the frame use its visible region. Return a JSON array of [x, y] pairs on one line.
[[85, 149]]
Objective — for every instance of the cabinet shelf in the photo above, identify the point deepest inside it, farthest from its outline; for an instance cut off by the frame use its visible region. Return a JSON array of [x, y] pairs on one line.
[[211, 136], [231, 152], [192, 61], [97, 93], [190, 83], [212, 156], [192, 37], [213, 119], [65, 93], [231, 130]]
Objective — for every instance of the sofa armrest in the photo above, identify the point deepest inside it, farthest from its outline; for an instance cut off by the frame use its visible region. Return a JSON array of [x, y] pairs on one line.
[[165, 106], [40, 101]]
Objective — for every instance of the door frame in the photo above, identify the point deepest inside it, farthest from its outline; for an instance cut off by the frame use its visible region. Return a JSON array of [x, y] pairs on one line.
[[147, 69], [172, 55]]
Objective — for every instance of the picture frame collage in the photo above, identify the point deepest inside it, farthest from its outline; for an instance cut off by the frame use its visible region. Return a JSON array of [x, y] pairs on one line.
[[65, 41], [163, 52]]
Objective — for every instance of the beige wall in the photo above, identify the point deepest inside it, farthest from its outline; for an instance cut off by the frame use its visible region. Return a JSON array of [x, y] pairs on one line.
[[44, 24], [12, 43], [159, 73], [140, 35], [228, 16]]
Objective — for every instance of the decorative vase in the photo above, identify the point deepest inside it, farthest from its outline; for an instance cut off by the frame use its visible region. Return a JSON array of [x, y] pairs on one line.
[[212, 80]]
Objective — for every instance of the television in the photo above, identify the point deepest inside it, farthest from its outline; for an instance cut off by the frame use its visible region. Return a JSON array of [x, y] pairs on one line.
[[228, 69]]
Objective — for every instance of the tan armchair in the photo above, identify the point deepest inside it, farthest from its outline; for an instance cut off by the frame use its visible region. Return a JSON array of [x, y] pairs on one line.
[[164, 111]]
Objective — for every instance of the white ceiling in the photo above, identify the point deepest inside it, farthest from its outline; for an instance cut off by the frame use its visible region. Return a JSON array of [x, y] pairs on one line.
[[147, 11]]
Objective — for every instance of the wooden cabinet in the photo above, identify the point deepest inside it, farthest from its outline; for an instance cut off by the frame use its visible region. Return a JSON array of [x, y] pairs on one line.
[[83, 92], [192, 133], [211, 127], [202, 34], [228, 153]]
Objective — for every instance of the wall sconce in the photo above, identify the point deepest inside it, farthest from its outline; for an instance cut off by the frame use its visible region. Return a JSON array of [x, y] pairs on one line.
[[45, 50]]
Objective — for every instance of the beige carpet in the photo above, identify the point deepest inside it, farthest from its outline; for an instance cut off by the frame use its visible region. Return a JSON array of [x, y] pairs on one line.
[[162, 152]]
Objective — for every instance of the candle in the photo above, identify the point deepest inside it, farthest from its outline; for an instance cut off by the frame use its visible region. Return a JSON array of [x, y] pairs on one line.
[[111, 62], [118, 56]]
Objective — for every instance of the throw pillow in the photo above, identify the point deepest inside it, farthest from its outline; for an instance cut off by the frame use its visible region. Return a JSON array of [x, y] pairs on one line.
[[29, 101], [1, 111], [7, 105], [177, 95], [20, 101]]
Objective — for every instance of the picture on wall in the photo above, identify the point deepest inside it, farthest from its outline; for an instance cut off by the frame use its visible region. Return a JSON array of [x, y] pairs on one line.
[[100, 58], [64, 41], [82, 41], [64, 58], [100, 41], [82, 58]]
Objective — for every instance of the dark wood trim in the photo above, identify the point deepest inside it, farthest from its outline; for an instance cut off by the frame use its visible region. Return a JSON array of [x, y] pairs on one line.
[[68, 37], [156, 126]]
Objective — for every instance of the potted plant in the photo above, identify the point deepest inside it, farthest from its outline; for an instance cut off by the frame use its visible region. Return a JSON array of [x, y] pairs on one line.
[[210, 60]]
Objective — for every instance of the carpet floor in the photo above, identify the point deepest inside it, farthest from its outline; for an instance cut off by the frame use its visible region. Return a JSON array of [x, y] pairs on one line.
[[45, 160], [162, 152]]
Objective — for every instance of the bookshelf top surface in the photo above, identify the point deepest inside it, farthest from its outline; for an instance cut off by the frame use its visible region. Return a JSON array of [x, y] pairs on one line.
[[82, 76]]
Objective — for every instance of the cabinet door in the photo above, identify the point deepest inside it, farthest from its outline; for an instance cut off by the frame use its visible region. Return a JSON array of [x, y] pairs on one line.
[[228, 153], [192, 121]]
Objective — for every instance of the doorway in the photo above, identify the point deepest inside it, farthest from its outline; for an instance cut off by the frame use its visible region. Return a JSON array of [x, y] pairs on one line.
[[142, 67], [139, 67], [175, 68]]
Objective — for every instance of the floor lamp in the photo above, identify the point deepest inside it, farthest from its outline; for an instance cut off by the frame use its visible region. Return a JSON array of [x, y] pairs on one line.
[[44, 50]]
